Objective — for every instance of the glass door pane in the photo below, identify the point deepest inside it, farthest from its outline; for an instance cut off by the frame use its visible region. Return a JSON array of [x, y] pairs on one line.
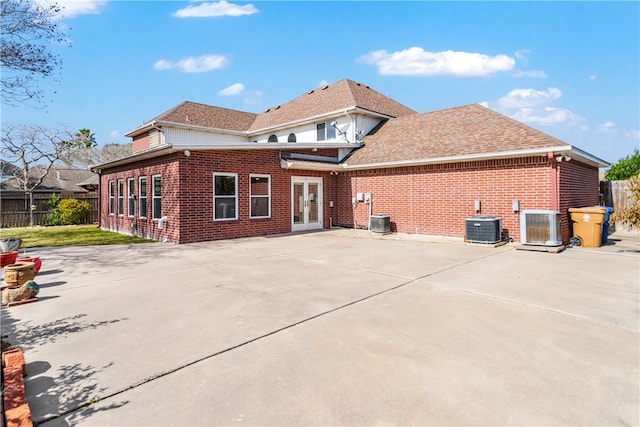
[[298, 202], [313, 202]]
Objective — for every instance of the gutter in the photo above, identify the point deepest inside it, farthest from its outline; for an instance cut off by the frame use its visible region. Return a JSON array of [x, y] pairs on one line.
[[577, 153]]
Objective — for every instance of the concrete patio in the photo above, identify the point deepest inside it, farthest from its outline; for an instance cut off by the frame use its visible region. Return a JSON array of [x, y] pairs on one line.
[[340, 327]]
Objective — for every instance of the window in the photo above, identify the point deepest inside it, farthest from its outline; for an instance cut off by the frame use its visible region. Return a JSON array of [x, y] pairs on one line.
[[292, 137], [260, 195], [120, 196], [324, 131], [131, 200], [273, 138], [225, 196], [112, 197], [142, 198], [156, 189]]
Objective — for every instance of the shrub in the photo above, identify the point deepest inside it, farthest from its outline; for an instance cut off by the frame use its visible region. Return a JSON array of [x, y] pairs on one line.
[[73, 211], [625, 168], [53, 203]]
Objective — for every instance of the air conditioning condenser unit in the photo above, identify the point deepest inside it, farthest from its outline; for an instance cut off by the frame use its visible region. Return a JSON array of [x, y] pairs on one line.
[[483, 229], [540, 227]]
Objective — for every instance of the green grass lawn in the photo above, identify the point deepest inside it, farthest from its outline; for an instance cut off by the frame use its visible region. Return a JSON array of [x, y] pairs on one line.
[[67, 235]]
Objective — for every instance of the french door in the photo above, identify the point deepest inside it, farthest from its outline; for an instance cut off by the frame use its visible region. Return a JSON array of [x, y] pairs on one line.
[[306, 203]]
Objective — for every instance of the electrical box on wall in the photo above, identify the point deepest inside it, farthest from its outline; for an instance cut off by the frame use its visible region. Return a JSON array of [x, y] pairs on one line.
[[367, 197], [360, 197]]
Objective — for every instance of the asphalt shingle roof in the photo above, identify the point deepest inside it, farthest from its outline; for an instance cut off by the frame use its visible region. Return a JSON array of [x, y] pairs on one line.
[[325, 99], [469, 129], [195, 114], [333, 97]]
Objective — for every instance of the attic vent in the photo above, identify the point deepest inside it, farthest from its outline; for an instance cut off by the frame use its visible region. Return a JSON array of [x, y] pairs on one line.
[[324, 87], [267, 110], [278, 107], [310, 92]]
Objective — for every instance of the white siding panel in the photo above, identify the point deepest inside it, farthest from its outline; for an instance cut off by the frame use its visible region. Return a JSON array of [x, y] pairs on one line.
[[307, 132], [193, 138]]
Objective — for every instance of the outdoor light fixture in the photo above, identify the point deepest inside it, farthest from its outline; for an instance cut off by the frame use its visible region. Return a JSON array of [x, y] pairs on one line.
[[564, 157], [187, 153]]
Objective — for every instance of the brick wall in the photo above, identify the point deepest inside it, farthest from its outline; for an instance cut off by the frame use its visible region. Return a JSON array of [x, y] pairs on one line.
[[187, 195], [140, 142], [166, 166], [430, 199], [578, 186], [436, 199]]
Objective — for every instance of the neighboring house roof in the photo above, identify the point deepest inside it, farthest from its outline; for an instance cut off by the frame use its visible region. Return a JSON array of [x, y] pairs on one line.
[[57, 180], [343, 95], [194, 114], [459, 131]]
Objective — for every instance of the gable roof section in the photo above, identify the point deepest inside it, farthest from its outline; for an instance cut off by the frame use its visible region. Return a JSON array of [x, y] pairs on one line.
[[460, 131], [195, 114], [337, 96]]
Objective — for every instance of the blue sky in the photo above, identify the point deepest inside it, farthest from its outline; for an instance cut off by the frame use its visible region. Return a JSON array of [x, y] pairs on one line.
[[570, 69]]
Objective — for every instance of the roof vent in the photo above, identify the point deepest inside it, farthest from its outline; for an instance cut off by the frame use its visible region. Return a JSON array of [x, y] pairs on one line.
[[310, 92], [277, 108], [267, 110], [324, 87]]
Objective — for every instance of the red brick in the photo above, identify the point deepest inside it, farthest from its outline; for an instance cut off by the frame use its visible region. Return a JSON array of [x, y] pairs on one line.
[[19, 416]]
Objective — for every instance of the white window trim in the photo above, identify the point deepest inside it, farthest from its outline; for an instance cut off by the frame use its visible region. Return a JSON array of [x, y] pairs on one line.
[[130, 186], [268, 196], [154, 196], [120, 197], [112, 197], [327, 126], [235, 175], [143, 215]]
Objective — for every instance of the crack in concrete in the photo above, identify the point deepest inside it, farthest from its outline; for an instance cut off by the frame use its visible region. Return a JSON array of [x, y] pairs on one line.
[[260, 337]]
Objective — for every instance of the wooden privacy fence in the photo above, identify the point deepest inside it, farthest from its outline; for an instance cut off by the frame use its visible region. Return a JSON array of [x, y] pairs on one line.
[[616, 194], [15, 208]]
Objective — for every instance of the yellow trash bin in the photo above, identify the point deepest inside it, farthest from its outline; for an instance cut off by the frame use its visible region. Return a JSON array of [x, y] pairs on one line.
[[587, 225]]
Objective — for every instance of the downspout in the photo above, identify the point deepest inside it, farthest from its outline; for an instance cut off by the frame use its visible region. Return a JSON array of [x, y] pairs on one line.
[[99, 198], [554, 181]]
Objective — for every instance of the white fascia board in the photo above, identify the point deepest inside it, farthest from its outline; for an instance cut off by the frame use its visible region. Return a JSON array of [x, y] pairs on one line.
[[202, 128], [323, 116], [589, 158], [269, 146], [156, 124], [142, 155], [140, 129], [306, 165], [462, 158]]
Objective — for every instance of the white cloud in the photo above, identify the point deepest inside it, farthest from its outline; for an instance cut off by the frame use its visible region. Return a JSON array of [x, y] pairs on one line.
[[213, 9], [323, 83], [519, 98], [73, 8], [234, 89], [485, 104], [522, 53], [536, 74], [546, 116], [253, 98], [593, 77], [607, 126], [415, 61], [633, 134], [192, 64]]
